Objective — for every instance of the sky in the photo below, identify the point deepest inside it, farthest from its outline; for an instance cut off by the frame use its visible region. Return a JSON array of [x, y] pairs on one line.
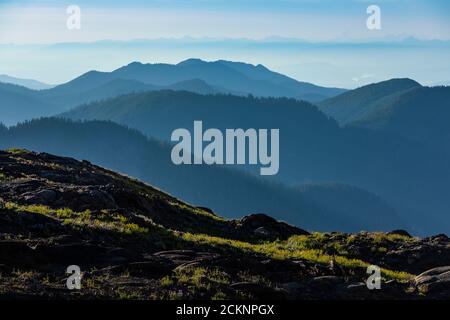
[[44, 21], [29, 31]]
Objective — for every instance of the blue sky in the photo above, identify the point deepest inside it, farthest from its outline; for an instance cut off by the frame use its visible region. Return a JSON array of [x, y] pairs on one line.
[[25, 21], [29, 31]]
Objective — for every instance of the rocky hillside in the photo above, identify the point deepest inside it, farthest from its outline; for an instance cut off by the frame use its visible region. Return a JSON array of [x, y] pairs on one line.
[[132, 241]]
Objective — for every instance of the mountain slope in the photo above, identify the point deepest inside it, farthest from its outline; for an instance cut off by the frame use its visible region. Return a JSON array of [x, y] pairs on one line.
[[405, 173], [223, 76], [351, 202], [28, 83], [421, 114], [191, 75], [19, 104], [299, 89], [234, 76], [132, 241], [354, 104], [231, 193]]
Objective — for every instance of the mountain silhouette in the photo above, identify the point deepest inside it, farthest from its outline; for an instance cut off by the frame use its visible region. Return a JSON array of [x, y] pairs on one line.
[[19, 103], [354, 104], [229, 192], [314, 148], [192, 75], [421, 114], [234, 76], [28, 83], [134, 241]]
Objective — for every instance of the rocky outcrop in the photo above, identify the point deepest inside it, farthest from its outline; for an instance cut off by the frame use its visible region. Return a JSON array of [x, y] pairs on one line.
[[133, 241], [436, 280], [418, 256], [263, 226]]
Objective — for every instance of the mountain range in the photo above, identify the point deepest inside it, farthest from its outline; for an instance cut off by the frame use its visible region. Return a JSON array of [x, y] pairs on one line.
[[407, 174], [420, 114], [28, 83], [230, 192], [193, 75], [397, 106], [370, 158], [357, 103]]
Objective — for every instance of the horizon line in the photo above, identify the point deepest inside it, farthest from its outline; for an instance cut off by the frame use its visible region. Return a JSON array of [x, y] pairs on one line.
[[388, 39]]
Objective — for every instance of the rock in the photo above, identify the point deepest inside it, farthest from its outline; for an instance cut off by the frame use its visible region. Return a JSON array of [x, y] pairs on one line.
[[439, 239], [93, 198], [261, 231], [357, 287], [186, 257], [154, 269], [176, 254], [434, 281], [45, 196], [417, 256], [329, 280], [36, 246], [267, 227], [187, 266]]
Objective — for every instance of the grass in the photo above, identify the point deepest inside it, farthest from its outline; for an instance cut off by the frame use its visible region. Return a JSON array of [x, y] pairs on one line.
[[314, 247], [3, 176], [294, 248], [102, 220], [197, 211], [17, 151], [196, 281]]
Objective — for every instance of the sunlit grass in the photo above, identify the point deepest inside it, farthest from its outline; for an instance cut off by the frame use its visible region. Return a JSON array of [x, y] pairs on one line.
[[290, 249], [103, 220]]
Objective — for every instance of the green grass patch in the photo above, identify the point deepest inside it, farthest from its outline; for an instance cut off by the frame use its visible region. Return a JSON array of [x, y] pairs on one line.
[[102, 220], [197, 211], [17, 151], [195, 282], [290, 249]]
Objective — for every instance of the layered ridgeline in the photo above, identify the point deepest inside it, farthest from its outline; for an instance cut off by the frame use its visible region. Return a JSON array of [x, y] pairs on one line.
[[398, 106], [19, 103], [27, 83], [355, 104], [313, 147], [191, 75], [132, 241], [421, 115], [229, 192]]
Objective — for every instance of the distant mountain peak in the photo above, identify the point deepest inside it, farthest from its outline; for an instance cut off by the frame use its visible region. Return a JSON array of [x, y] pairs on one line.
[[191, 61], [135, 63], [262, 67], [355, 104], [399, 80], [28, 83]]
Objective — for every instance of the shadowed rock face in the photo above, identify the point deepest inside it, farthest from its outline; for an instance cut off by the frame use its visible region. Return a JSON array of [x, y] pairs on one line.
[[133, 241], [436, 280], [268, 228]]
